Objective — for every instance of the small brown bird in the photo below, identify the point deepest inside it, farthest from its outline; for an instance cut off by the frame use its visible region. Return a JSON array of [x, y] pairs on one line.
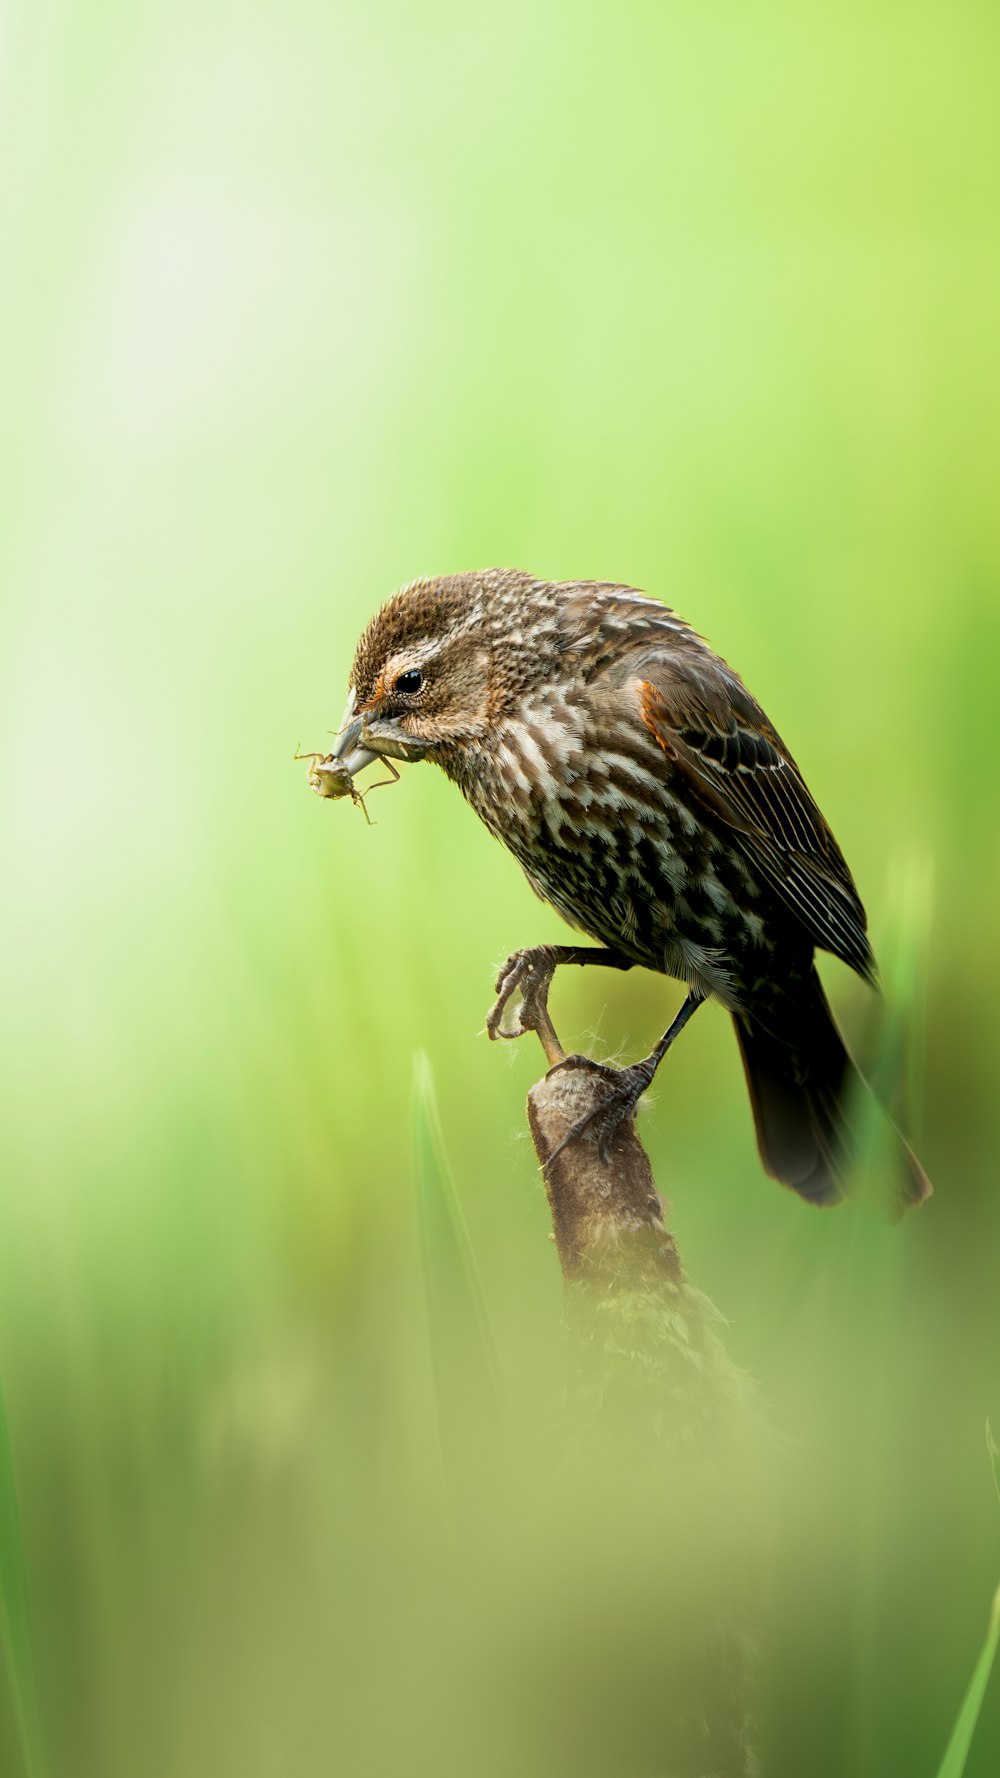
[[649, 799]]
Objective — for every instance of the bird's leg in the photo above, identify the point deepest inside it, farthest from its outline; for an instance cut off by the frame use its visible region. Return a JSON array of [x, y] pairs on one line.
[[530, 973], [627, 1084]]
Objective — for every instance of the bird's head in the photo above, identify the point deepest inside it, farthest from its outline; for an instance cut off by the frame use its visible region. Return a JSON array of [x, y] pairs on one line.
[[435, 668]]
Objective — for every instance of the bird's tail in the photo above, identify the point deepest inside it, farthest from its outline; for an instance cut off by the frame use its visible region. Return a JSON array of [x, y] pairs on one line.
[[802, 1083]]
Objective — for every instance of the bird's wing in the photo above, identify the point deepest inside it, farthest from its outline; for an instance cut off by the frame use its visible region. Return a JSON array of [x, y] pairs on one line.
[[734, 763]]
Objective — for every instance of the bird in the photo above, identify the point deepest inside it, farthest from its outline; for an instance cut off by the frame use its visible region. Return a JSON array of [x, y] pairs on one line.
[[650, 800]]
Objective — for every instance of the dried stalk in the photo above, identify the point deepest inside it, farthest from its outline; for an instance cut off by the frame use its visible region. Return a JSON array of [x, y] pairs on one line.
[[631, 1307], [666, 1424]]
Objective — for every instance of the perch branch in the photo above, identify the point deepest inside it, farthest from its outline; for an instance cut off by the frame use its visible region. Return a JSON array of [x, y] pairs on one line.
[[607, 1216], [663, 1414]]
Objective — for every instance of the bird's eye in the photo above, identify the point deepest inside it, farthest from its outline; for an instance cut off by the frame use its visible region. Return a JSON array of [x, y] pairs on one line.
[[409, 682]]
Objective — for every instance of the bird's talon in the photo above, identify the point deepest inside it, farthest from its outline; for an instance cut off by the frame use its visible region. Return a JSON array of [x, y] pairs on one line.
[[530, 973], [627, 1088]]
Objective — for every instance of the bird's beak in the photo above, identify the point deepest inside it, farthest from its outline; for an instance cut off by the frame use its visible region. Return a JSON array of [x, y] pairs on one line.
[[346, 746], [362, 738]]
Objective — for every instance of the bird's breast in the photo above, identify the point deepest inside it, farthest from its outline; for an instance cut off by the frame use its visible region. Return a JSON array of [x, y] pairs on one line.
[[567, 767], [583, 797]]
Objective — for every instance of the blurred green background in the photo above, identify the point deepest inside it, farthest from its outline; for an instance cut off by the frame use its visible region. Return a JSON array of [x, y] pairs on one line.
[[300, 302]]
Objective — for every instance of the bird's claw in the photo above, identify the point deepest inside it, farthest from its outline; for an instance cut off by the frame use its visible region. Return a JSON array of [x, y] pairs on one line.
[[605, 1119], [530, 974]]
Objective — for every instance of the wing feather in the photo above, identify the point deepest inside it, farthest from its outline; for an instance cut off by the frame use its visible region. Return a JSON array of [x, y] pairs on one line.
[[734, 762]]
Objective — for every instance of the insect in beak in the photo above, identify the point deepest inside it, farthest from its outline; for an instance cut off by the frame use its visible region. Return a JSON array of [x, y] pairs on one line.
[[330, 778], [332, 775]]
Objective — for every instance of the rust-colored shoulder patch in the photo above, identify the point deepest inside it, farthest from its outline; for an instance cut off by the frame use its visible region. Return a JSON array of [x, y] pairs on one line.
[[655, 715]]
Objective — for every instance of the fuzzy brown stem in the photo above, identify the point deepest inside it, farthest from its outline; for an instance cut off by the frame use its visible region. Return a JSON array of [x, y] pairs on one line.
[[606, 1214], [643, 1332], [667, 1422]]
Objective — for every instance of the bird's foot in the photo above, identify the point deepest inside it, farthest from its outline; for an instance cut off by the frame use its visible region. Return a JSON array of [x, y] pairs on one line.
[[626, 1087], [528, 973]]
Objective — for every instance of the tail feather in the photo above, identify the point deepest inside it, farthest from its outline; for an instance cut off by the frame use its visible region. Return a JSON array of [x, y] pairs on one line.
[[801, 1081]]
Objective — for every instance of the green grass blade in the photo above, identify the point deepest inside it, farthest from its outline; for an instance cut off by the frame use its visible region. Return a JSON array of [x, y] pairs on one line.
[[957, 1752], [953, 1764], [905, 950], [15, 1638], [463, 1357], [892, 1055], [993, 1451]]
